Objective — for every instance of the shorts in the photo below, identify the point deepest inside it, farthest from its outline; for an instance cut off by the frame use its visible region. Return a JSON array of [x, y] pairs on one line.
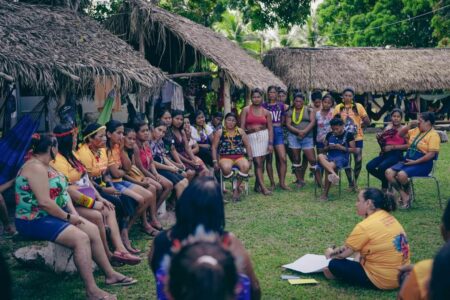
[[419, 170], [359, 144], [234, 158], [45, 228], [122, 185], [341, 161], [320, 145], [297, 143], [278, 136], [175, 178]]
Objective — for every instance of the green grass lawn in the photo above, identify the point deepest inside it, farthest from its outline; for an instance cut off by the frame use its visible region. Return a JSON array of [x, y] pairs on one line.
[[275, 230]]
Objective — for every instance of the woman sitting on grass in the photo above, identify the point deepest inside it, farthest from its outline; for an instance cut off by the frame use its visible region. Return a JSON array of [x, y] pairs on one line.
[[379, 242], [424, 143], [232, 144], [338, 145], [203, 134], [392, 147], [201, 204], [89, 203], [45, 211]]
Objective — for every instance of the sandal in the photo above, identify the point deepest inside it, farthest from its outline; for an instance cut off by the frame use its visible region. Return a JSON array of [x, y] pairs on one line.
[[126, 258], [125, 281]]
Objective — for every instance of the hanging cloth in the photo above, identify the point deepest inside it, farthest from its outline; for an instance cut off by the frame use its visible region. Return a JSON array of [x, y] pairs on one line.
[[106, 113]]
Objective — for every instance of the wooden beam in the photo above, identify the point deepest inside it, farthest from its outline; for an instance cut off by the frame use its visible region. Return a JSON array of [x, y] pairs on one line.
[[195, 74], [70, 75], [6, 77], [226, 95]]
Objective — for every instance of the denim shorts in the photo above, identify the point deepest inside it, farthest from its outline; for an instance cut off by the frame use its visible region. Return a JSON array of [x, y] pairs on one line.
[[297, 143], [359, 144], [278, 135], [45, 228], [122, 185]]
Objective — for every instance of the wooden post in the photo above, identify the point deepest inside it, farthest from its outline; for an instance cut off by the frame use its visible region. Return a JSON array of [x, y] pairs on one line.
[[418, 104], [248, 96], [226, 95], [140, 100]]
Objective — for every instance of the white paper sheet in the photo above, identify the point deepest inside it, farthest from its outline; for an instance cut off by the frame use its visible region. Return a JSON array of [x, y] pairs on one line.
[[309, 263]]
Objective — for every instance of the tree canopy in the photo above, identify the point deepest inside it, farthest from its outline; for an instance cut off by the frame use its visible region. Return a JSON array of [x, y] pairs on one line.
[[400, 23]]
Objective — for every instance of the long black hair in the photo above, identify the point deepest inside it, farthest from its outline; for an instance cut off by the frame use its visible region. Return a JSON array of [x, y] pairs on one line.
[[64, 135], [200, 204], [342, 105], [439, 288], [111, 127], [381, 200]]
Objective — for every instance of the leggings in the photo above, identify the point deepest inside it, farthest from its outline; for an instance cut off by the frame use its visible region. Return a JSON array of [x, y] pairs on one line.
[[351, 272]]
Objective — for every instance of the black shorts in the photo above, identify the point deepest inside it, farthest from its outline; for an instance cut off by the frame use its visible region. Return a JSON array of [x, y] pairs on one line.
[[175, 178]]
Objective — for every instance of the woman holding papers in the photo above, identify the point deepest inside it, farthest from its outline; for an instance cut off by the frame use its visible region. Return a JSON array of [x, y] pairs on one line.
[[380, 242]]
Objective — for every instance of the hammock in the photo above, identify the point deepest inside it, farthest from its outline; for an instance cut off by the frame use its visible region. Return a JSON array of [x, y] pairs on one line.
[[106, 113], [15, 144]]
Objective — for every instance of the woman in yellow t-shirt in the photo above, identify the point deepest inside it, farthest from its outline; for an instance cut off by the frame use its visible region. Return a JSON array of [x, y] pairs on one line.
[[379, 242], [354, 116], [424, 144]]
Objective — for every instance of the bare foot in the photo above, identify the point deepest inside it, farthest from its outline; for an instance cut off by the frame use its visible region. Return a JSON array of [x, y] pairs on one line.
[[328, 274], [299, 183], [272, 186], [97, 294], [285, 187], [323, 197]]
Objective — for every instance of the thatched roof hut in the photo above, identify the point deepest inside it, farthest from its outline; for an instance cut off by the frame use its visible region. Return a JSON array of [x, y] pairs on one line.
[[175, 44], [365, 69], [49, 49]]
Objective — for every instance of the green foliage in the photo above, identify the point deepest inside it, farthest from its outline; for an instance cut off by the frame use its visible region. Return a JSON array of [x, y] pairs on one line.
[[441, 22], [370, 23], [205, 12], [268, 13]]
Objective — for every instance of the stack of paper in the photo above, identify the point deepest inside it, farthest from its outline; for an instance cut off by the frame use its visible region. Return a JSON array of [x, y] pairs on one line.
[[309, 263]]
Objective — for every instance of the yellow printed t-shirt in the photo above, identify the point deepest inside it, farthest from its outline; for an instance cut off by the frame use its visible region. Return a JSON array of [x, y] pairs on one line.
[[347, 112], [95, 165], [416, 284], [384, 248], [62, 165], [430, 143], [114, 159]]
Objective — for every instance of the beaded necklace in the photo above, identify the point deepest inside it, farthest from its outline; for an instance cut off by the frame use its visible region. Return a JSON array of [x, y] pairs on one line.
[[300, 117]]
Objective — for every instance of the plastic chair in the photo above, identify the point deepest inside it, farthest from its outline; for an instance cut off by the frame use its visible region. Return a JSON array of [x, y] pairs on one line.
[[233, 181], [430, 176]]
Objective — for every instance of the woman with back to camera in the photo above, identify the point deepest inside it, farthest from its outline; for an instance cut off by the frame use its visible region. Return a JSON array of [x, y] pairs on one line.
[[208, 211], [45, 211], [379, 241], [257, 123]]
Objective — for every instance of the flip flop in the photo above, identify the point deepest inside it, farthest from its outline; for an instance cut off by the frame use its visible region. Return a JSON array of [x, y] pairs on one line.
[[125, 281], [126, 258]]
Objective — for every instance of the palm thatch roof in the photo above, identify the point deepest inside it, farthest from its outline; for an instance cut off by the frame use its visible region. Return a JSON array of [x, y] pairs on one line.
[[49, 49], [364, 69], [175, 44]]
